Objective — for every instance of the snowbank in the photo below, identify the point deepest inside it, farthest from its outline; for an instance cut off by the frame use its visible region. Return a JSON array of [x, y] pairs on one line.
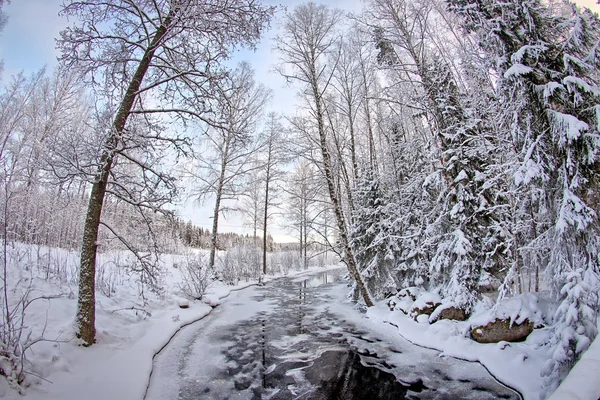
[[582, 383], [516, 365], [129, 333]]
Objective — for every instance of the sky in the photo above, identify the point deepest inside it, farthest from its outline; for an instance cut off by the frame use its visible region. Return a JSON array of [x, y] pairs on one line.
[[27, 44]]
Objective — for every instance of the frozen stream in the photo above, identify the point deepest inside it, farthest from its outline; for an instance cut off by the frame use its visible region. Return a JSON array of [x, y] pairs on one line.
[[298, 338]]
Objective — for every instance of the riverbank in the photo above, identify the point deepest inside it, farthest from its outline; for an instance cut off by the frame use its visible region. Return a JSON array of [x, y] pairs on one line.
[[130, 331]]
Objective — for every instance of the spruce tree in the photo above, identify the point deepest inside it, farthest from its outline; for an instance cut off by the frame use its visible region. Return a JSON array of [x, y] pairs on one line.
[[548, 70]]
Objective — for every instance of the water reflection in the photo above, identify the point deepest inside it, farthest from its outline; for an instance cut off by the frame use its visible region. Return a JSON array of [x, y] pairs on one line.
[[321, 279], [306, 354], [342, 375], [301, 349]]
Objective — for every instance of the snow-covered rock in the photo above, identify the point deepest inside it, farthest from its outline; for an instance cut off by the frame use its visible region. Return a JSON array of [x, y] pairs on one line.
[[517, 310], [448, 311], [183, 303], [500, 330], [425, 304]]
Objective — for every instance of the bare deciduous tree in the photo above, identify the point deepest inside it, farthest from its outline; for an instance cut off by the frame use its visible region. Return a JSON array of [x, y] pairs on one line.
[[231, 146], [147, 58], [308, 37], [274, 158]]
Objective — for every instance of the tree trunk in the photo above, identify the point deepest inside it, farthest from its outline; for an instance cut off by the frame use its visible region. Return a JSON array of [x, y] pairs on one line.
[[305, 217], [352, 142], [372, 155], [267, 177], [217, 209], [215, 227], [301, 229], [86, 302], [337, 207]]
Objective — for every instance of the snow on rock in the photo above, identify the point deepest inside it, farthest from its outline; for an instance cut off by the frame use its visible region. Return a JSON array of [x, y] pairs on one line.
[[183, 303], [410, 292], [502, 330], [582, 382], [402, 304], [422, 319], [425, 305], [404, 299], [447, 310], [427, 298], [211, 300], [517, 365], [517, 310]]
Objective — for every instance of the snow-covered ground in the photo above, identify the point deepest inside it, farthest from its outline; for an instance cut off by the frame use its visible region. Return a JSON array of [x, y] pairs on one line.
[[517, 365], [582, 383], [130, 331]]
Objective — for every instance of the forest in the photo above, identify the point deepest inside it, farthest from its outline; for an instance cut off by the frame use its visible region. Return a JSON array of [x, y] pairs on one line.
[[447, 145]]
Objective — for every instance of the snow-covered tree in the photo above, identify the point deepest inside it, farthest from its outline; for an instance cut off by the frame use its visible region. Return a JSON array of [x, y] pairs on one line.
[[146, 58], [548, 70], [308, 37], [372, 237], [229, 147]]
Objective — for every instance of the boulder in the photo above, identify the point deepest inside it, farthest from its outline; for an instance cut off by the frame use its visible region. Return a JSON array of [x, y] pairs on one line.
[[402, 305], [501, 330], [425, 304], [426, 309], [448, 312], [183, 303]]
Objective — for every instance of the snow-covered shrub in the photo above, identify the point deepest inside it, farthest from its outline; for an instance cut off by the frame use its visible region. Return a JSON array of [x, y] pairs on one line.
[[106, 279], [195, 276], [16, 336], [240, 262], [574, 326], [283, 261]]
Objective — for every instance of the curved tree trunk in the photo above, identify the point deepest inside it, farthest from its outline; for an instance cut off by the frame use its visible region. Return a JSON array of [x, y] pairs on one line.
[[86, 302]]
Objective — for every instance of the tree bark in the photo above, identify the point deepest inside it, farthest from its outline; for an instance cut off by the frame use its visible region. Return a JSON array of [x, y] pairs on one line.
[[352, 141], [217, 209], [86, 302], [337, 207], [367, 107], [266, 216]]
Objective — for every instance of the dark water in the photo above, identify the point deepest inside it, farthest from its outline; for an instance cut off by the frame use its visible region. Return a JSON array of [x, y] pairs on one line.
[[296, 346]]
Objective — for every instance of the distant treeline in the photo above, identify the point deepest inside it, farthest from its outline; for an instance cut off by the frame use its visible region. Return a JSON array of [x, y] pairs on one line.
[[198, 237]]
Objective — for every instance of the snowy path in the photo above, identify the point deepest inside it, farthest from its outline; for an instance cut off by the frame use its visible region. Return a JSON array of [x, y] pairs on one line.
[[298, 338]]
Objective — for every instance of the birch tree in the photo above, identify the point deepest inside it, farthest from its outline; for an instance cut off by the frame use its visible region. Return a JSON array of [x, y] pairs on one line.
[[274, 158], [230, 146], [309, 34], [146, 58]]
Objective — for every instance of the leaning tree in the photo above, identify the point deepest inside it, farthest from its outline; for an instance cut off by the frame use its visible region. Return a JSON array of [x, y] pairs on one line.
[[308, 39], [147, 58]]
